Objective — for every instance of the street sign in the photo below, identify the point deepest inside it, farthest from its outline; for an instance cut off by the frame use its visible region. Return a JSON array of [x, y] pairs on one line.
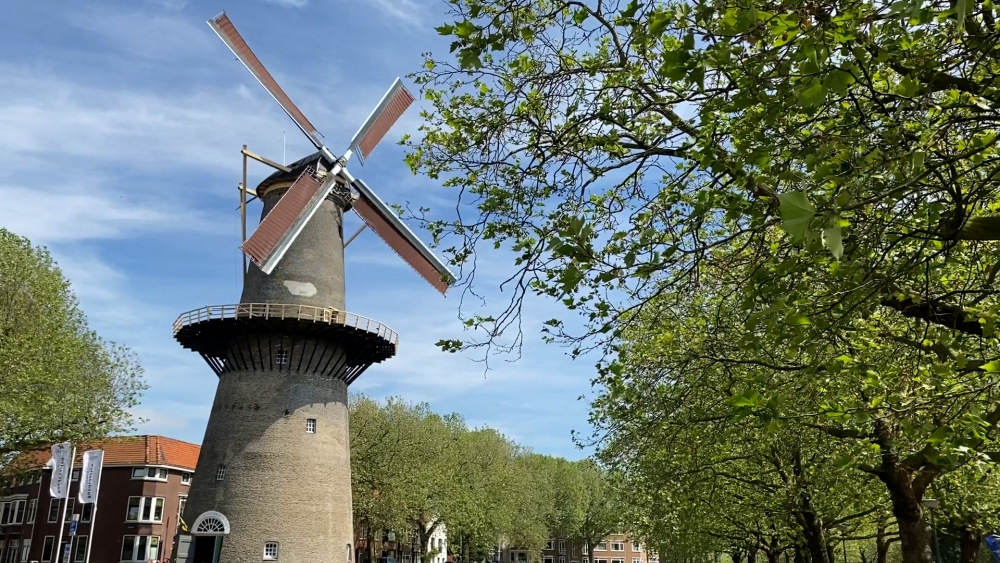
[[73, 524]]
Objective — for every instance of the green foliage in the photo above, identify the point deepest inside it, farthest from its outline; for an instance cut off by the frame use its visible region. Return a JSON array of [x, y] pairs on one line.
[[412, 470], [59, 380], [786, 213]]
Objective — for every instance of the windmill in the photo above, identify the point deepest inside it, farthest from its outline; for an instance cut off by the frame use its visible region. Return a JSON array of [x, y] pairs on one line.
[[274, 474], [279, 229]]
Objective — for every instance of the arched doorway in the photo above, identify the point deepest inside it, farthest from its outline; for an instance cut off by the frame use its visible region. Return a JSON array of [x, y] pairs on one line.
[[208, 530]]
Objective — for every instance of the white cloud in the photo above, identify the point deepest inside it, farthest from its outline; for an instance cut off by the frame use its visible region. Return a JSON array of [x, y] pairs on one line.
[[408, 12]]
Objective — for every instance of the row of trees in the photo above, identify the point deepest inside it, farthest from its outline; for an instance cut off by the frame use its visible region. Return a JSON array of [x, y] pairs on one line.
[[778, 219], [412, 470], [58, 379]]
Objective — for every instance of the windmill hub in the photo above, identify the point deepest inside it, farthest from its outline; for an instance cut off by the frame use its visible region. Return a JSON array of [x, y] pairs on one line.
[[275, 460]]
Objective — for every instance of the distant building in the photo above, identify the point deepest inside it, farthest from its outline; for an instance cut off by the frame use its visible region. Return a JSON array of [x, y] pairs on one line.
[[617, 548], [393, 548], [144, 487]]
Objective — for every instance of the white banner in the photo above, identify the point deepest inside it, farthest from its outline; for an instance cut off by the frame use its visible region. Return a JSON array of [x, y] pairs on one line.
[[62, 459], [90, 475]]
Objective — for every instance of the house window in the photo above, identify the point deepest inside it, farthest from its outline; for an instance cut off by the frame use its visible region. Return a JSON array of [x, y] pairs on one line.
[[562, 559], [185, 478], [81, 549], [150, 473], [12, 551], [617, 546], [220, 473], [144, 509], [562, 547], [550, 544], [87, 512], [25, 550], [548, 560], [636, 546], [270, 551], [32, 510], [181, 503], [617, 561], [75, 475], [586, 560], [601, 546], [310, 426], [50, 542], [53, 512], [140, 548], [70, 506], [637, 560], [281, 358]]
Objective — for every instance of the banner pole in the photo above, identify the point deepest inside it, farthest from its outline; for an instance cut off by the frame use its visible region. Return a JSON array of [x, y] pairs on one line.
[[62, 518], [93, 513]]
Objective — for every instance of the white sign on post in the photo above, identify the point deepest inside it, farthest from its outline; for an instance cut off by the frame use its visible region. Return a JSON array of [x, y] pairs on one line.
[[62, 459], [90, 475], [65, 553]]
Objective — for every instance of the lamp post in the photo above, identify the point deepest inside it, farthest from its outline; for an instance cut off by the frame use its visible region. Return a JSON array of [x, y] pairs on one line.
[[930, 504], [843, 539]]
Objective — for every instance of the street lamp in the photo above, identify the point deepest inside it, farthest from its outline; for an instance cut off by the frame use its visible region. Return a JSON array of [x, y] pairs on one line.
[[930, 504], [843, 539]]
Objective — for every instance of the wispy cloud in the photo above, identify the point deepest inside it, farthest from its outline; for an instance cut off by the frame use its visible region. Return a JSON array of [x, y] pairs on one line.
[[408, 12], [290, 3]]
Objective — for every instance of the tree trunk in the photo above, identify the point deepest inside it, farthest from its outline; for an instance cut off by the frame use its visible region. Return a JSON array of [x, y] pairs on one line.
[[752, 555], [881, 543], [970, 537], [737, 556], [798, 555], [906, 492]]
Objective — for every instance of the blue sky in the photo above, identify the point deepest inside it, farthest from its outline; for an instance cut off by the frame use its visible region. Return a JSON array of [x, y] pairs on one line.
[[120, 129]]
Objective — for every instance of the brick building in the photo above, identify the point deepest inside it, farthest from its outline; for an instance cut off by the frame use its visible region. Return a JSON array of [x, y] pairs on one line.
[[144, 486], [618, 548]]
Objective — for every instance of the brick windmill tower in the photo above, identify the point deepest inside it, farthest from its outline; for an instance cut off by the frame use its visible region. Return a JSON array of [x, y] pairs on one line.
[[273, 480]]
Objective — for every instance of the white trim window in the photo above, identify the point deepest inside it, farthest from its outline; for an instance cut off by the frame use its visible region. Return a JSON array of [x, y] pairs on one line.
[[562, 559], [12, 551], [48, 545], [140, 548], [636, 546], [550, 544], [617, 561], [75, 475], [150, 473], [12, 512], [271, 551], [32, 511], [547, 560], [562, 548], [87, 512], [186, 478], [25, 549], [220, 473], [617, 546], [144, 509], [80, 553], [637, 560], [182, 501], [310, 426], [53, 512], [601, 546]]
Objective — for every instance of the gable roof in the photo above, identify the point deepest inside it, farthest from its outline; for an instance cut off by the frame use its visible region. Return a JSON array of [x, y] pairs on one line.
[[128, 450]]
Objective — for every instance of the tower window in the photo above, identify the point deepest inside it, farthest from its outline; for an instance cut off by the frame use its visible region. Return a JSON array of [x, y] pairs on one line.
[[281, 358], [220, 474], [310, 426], [270, 551]]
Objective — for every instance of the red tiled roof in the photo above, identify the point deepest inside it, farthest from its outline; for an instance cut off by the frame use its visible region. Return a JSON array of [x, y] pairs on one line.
[[130, 450]]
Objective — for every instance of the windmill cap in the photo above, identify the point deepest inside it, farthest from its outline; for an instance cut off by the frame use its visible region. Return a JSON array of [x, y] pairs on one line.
[[315, 160]]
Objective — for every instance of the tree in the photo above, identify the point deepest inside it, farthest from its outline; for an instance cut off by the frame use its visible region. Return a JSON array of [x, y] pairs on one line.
[[633, 155], [599, 507], [60, 381]]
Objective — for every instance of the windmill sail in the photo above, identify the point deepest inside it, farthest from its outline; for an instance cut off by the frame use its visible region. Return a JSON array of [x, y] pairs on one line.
[[227, 32], [286, 220], [389, 109], [400, 238]]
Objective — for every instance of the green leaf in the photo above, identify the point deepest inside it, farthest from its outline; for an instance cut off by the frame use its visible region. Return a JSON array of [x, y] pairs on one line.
[[580, 16], [658, 23], [939, 435], [465, 29], [527, 34], [812, 95], [631, 9], [469, 59], [832, 239], [961, 9], [991, 367], [796, 213], [445, 29], [797, 319]]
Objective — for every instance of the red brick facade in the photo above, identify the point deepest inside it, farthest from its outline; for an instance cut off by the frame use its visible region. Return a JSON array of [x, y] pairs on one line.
[[144, 481]]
